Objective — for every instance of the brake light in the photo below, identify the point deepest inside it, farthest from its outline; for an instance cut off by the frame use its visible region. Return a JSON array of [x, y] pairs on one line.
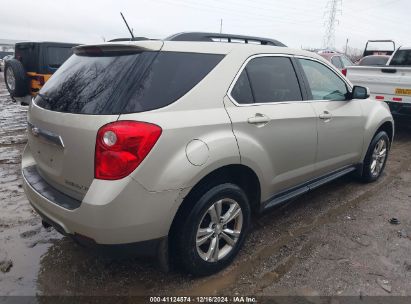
[[121, 146], [396, 99], [379, 97], [344, 72]]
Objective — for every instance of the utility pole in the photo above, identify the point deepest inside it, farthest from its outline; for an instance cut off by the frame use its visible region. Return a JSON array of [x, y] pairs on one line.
[[333, 7], [346, 47], [221, 25]]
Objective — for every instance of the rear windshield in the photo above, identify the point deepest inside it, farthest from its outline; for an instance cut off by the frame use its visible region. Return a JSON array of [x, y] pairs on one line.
[[401, 57], [124, 84]]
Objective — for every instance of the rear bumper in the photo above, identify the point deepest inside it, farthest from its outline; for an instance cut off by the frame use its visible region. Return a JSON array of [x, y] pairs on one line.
[[112, 212]]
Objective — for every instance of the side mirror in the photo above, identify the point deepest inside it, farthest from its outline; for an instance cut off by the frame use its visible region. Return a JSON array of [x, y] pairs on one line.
[[360, 92]]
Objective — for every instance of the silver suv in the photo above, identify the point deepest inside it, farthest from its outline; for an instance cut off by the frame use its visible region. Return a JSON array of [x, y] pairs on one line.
[[174, 144]]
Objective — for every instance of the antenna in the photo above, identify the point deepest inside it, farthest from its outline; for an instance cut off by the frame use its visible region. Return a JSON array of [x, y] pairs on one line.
[[333, 7], [131, 32]]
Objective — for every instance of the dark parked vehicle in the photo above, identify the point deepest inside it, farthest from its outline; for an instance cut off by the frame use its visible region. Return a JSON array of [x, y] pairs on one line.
[[374, 60], [32, 65]]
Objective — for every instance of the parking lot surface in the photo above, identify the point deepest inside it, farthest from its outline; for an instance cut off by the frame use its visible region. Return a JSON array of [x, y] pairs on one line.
[[336, 240]]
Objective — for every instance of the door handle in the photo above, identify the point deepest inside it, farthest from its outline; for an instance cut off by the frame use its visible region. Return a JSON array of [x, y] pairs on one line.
[[326, 116], [259, 120]]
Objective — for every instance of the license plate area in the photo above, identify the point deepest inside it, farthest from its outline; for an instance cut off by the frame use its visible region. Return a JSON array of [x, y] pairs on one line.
[[403, 92]]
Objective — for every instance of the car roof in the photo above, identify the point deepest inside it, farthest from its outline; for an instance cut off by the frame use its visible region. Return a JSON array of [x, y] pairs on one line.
[[328, 56]]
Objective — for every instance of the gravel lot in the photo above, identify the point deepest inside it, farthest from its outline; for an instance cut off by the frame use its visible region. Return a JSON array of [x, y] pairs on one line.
[[336, 240]]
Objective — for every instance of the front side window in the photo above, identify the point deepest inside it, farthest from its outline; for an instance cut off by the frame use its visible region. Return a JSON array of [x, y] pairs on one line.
[[323, 82], [267, 79]]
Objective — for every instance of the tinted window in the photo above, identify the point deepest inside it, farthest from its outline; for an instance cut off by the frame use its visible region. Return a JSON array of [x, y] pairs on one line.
[[124, 84], [374, 60], [242, 90], [401, 57], [57, 55], [273, 79], [171, 76], [323, 82], [336, 61]]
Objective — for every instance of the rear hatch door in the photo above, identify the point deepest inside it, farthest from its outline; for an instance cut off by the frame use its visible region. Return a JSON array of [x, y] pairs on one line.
[[87, 92]]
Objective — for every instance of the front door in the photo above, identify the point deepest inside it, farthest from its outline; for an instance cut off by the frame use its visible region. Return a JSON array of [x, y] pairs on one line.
[[340, 120]]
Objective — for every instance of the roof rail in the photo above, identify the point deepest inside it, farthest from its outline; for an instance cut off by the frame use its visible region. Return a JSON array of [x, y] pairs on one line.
[[216, 37]]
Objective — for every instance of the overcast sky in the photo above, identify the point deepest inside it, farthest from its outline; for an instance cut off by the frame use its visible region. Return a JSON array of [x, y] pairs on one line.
[[297, 23]]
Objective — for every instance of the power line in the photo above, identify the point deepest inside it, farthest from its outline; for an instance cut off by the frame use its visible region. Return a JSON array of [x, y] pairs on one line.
[[333, 7]]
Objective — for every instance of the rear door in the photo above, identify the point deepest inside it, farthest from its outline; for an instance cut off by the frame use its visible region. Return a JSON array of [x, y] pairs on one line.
[[340, 121], [274, 127]]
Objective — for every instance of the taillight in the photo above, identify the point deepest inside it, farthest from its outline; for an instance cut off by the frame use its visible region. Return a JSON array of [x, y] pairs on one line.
[[344, 72], [378, 97], [397, 99], [121, 146]]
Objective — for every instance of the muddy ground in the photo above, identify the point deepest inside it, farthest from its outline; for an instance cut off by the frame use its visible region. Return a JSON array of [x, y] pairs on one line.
[[336, 240]]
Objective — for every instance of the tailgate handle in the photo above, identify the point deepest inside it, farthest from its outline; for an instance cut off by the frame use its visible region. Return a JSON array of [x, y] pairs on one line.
[[44, 134], [391, 71]]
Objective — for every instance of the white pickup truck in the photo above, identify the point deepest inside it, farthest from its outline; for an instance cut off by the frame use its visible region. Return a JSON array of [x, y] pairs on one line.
[[390, 83]]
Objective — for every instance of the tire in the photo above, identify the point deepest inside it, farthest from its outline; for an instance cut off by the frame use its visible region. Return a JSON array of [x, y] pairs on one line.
[[199, 227], [374, 164], [17, 82]]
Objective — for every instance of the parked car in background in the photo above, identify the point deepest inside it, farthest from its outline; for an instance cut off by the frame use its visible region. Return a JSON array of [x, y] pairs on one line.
[[174, 144], [374, 60], [390, 83], [340, 61], [32, 65]]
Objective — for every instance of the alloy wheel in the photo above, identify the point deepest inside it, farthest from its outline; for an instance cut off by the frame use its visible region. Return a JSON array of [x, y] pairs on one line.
[[378, 157], [219, 230]]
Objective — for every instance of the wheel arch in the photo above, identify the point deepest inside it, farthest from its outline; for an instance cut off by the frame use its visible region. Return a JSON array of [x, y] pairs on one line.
[[238, 174]]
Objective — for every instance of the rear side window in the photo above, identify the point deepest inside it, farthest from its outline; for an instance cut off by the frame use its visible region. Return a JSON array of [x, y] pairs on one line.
[[271, 79], [124, 84], [346, 62], [401, 57], [171, 76], [242, 90], [57, 55], [336, 61]]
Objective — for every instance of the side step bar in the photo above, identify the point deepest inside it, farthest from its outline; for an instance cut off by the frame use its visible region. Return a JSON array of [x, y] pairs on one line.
[[304, 188]]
